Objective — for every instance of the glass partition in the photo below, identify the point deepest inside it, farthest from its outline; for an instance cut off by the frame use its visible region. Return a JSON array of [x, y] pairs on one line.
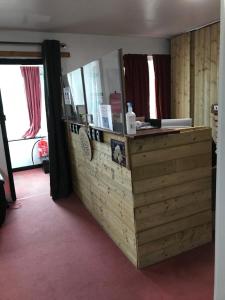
[[103, 88], [76, 90], [93, 90], [112, 87], [93, 93]]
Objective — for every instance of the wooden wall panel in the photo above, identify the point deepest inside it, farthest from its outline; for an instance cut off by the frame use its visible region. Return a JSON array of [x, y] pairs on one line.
[[173, 245], [195, 69], [206, 69], [180, 76], [214, 61], [171, 178], [158, 208], [106, 190]]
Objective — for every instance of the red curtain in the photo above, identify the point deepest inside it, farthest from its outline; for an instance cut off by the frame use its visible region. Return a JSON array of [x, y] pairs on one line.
[[31, 76], [162, 67], [137, 83]]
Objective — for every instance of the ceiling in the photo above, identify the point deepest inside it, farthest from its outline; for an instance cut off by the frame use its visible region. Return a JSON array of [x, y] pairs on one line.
[[154, 18]]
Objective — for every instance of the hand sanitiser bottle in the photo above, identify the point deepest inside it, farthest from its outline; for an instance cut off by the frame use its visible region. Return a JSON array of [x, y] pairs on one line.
[[130, 120]]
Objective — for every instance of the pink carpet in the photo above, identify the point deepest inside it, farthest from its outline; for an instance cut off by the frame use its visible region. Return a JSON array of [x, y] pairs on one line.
[[56, 251], [31, 183]]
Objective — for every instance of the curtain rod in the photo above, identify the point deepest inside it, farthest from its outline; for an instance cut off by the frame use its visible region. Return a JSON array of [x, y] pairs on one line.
[[27, 43]]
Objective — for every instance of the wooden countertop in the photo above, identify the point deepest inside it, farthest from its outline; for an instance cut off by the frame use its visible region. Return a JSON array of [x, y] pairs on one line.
[[139, 134], [153, 132]]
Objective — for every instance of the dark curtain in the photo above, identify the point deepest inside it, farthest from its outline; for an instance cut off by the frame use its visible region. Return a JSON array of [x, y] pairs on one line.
[[137, 83], [60, 180], [162, 67], [31, 77]]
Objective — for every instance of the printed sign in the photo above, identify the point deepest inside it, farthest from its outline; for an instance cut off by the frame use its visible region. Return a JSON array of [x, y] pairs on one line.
[[67, 96], [116, 104], [106, 116]]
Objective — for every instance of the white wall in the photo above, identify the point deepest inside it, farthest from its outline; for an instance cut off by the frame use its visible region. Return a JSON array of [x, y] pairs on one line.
[[21, 153], [85, 48], [219, 291]]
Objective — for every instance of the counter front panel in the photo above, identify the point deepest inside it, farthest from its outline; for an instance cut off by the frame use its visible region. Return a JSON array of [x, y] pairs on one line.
[[159, 204]]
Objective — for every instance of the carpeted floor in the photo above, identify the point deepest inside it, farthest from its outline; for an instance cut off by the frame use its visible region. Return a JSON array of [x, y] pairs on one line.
[[30, 183], [56, 251]]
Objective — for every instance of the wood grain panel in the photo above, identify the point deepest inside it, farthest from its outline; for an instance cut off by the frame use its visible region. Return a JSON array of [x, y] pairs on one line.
[[106, 190], [214, 62], [191, 208], [156, 183], [195, 238], [163, 230], [165, 141], [171, 166], [180, 76], [170, 205], [173, 239], [197, 69], [170, 153], [158, 208], [172, 191]]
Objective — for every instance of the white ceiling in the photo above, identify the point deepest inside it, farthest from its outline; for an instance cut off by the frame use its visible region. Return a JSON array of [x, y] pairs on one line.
[[154, 18]]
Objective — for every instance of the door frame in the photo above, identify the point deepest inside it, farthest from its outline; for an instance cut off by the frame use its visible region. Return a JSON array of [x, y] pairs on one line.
[[6, 148], [12, 61]]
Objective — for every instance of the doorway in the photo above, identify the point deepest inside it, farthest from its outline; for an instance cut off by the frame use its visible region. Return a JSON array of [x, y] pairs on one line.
[[24, 106]]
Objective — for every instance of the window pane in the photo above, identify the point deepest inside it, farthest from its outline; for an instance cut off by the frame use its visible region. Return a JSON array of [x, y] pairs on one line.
[[93, 88], [14, 101], [152, 98]]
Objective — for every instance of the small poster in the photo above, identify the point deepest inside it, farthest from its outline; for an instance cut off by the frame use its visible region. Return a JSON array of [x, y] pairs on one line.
[[67, 96], [118, 152], [106, 116], [115, 101]]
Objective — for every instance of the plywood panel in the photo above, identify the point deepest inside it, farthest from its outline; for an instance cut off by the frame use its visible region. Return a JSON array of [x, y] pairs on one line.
[[158, 208], [106, 190], [166, 141], [195, 238], [171, 166], [114, 204], [173, 239], [171, 205], [175, 214], [195, 73], [103, 166], [199, 76], [180, 76], [206, 58], [214, 63], [152, 184], [172, 193], [170, 153], [163, 230]]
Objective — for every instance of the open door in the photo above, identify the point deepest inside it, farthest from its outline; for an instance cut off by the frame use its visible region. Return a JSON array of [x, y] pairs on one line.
[[5, 161]]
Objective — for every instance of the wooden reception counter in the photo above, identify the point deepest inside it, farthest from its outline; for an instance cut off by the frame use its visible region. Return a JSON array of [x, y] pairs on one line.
[[159, 203]]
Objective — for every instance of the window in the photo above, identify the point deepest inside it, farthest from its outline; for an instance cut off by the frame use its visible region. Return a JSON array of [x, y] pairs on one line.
[[152, 98], [15, 102]]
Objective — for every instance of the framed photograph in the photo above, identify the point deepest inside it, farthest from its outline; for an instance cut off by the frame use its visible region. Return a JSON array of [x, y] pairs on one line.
[[118, 152]]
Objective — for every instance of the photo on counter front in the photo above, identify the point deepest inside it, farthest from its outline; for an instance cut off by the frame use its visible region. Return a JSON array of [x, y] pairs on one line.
[[118, 152]]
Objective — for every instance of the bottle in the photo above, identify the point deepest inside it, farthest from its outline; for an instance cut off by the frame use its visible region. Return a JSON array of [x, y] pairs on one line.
[[130, 120]]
